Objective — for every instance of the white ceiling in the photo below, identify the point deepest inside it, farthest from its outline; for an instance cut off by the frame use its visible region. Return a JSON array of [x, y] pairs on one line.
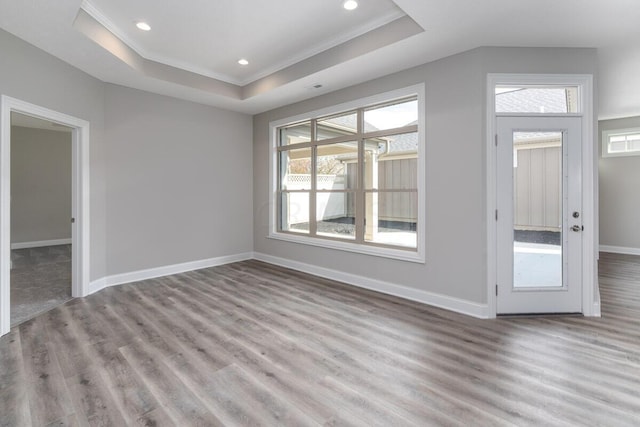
[[272, 35], [193, 47]]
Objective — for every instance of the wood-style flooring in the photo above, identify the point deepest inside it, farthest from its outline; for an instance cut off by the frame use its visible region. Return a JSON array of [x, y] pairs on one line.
[[40, 280], [254, 344]]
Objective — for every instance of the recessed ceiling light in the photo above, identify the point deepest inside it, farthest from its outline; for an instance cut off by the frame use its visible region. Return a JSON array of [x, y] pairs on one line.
[[350, 4], [143, 26], [243, 61]]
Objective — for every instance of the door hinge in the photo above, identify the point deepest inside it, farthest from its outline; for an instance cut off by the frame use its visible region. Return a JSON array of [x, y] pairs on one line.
[[496, 289], [496, 140], [496, 214]]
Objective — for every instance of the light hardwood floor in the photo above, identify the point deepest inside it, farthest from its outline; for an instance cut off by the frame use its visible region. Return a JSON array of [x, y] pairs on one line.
[[253, 344]]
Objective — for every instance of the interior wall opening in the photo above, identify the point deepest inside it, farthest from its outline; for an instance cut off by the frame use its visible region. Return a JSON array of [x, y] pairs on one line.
[[78, 221], [41, 205]]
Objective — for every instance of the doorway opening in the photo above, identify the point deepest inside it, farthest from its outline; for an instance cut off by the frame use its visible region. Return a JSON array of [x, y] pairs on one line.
[[41, 245], [541, 211], [74, 252]]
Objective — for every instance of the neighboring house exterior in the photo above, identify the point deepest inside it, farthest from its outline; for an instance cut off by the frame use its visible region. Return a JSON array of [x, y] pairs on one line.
[[537, 158]]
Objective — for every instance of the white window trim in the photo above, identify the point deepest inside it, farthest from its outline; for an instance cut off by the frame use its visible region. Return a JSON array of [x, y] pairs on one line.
[[614, 132], [418, 255]]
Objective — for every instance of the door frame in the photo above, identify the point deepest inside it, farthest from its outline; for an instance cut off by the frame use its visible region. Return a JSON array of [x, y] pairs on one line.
[[79, 199], [584, 82]]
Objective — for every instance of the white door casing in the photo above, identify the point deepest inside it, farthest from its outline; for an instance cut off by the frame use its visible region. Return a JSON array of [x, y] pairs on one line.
[[585, 110], [80, 198]]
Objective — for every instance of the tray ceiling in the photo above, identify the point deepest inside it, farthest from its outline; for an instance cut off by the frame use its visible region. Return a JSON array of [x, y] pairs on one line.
[[301, 49]]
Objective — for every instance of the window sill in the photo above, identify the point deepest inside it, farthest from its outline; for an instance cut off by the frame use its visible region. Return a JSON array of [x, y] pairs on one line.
[[398, 254], [608, 155]]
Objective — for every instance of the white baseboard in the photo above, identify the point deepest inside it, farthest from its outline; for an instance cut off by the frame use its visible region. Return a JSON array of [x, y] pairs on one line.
[[449, 303], [151, 273], [97, 285], [595, 311], [40, 243], [620, 250]]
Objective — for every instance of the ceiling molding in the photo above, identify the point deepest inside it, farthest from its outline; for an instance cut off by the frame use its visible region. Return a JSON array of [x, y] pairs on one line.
[[331, 43], [102, 32], [89, 26], [103, 20], [392, 32], [339, 39]]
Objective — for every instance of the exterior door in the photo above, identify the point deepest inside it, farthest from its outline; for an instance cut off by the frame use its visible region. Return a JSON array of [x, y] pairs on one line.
[[539, 215]]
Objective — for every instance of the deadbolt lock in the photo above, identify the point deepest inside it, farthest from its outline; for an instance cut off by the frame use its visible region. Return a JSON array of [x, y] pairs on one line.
[[576, 214]]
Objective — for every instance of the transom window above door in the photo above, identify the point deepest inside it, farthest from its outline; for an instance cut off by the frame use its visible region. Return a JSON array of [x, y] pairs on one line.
[[537, 99]]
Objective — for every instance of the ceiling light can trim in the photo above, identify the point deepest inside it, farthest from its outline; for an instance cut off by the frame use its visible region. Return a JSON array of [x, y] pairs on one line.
[[350, 4], [142, 25]]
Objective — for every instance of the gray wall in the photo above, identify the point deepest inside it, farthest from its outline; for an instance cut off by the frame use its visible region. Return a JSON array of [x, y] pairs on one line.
[[31, 75], [619, 195], [171, 180], [455, 229], [40, 185], [179, 186]]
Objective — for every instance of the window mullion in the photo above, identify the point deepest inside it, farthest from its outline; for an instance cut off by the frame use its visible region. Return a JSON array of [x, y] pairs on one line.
[[313, 223], [360, 197]]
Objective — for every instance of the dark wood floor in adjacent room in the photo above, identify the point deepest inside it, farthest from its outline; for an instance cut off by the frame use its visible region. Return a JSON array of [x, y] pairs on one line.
[[253, 344]]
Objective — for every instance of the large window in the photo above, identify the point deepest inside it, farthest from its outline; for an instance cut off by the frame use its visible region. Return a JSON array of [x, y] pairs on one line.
[[351, 180]]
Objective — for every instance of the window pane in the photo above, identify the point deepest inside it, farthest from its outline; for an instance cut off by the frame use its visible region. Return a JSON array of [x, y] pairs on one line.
[[295, 134], [391, 162], [294, 212], [633, 142], [618, 138], [336, 214], [332, 166], [403, 113], [538, 207], [391, 218], [537, 100], [346, 124], [617, 147], [295, 169]]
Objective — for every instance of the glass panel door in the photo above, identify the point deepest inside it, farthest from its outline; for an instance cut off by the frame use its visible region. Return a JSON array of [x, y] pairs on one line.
[[538, 223]]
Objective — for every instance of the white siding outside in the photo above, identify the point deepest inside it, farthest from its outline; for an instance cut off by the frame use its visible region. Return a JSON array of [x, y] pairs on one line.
[[538, 189]]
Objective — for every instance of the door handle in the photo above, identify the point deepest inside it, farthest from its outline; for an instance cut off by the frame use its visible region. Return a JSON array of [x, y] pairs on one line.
[[577, 228]]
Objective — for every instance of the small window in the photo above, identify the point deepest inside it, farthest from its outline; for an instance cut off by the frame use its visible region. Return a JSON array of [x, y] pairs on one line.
[[349, 179], [537, 100], [621, 142]]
